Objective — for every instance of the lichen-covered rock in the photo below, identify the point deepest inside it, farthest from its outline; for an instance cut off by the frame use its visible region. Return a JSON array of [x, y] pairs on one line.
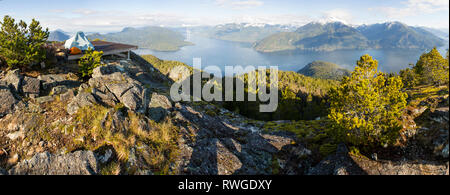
[[160, 101], [81, 100], [104, 96], [57, 90], [179, 73], [159, 106], [402, 167], [52, 80], [222, 147], [69, 95], [45, 99], [434, 131], [7, 101], [77, 163], [13, 80], [212, 157], [105, 70], [339, 163], [130, 92], [14, 135], [130, 95], [31, 87], [344, 163]]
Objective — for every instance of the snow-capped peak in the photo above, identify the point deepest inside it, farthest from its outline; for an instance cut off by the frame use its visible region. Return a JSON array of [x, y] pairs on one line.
[[330, 19]]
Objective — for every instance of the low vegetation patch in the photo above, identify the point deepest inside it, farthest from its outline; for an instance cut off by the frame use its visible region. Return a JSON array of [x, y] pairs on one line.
[[313, 133], [135, 139], [164, 66]]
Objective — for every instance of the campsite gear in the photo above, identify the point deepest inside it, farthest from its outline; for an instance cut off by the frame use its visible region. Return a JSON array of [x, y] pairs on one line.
[[80, 41], [75, 51]]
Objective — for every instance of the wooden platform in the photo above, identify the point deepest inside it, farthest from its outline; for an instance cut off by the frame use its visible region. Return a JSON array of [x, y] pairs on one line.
[[108, 48]]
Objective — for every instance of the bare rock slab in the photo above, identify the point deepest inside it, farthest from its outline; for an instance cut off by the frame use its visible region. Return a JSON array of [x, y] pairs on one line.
[[77, 163]]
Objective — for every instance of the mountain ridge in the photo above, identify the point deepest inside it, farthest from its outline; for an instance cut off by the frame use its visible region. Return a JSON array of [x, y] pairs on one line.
[[58, 35], [150, 37], [338, 36]]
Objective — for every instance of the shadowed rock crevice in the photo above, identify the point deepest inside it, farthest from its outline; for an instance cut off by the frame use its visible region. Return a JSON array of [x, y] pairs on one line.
[[225, 149]]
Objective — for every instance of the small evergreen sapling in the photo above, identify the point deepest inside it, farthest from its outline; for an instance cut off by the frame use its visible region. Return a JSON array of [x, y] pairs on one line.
[[90, 60], [366, 107]]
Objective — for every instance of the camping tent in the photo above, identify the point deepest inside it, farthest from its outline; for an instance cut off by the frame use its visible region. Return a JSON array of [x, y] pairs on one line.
[[80, 41]]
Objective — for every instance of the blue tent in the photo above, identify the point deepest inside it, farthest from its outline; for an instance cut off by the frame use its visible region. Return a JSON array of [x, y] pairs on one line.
[[80, 41]]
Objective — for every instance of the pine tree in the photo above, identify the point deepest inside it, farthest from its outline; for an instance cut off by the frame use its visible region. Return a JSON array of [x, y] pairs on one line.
[[409, 77], [20, 44], [366, 107], [432, 68]]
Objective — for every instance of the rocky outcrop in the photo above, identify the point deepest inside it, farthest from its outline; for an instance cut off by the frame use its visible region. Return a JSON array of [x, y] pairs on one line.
[[52, 80], [159, 106], [337, 164], [111, 83], [209, 140], [436, 134], [342, 163], [211, 145], [403, 167], [77, 163]]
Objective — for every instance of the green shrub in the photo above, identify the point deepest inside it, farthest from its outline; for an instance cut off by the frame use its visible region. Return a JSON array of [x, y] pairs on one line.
[[22, 44], [366, 107], [409, 77], [90, 60]]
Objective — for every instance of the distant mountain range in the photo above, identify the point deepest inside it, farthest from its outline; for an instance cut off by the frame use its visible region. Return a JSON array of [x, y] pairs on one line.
[[339, 36], [245, 33], [316, 37], [58, 35], [398, 35], [324, 70], [326, 35], [155, 38], [442, 33]]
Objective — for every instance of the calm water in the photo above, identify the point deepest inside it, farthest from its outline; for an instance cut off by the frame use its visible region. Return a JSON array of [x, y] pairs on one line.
[[224, 53]]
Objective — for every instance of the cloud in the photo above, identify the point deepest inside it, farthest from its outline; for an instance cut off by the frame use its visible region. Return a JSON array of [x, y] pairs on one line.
[[109, 21], [57, 11], [84, 11], [335, 15], [413, 8], [239, 4], [285, 19]]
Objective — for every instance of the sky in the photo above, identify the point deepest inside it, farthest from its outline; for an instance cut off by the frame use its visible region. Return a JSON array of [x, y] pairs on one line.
[[114, 15]]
